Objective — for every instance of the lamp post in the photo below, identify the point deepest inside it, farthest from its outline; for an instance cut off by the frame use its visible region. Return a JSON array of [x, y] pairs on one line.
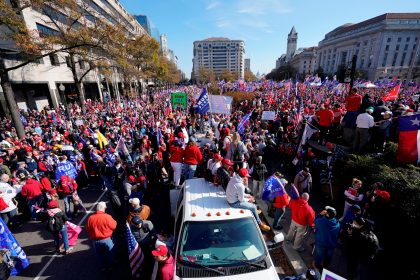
[[62, 89]]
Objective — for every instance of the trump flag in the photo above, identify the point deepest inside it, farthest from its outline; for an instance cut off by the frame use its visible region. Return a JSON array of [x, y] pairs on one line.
[[409, 139], [273, 188], [203, 104], [392, 94]]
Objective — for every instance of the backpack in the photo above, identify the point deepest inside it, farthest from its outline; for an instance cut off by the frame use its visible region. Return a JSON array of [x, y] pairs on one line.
[[54, 224]]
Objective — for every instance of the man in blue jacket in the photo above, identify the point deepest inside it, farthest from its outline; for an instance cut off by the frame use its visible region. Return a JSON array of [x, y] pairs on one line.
[[326, 232]]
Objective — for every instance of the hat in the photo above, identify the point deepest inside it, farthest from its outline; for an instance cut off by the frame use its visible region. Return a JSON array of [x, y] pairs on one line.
[[370, 108], [131, 178], [136, 220], [227, 162], [134, 201], [142, 179], [243, 172], [181, 135], [53, 204], [259, 159], [306, 169], [21, 175], [218, 157], [387, 113], [331, 211], [355, 207], [162, 250]]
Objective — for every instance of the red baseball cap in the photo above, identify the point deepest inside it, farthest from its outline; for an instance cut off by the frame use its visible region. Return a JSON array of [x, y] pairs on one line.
[[243, 172], [53, 204], [131, 178], [227, 162], [162, 250], [181, 135], [142, 178], [218, 157]]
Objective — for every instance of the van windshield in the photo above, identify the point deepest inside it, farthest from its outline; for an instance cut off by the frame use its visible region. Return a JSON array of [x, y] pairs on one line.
[[221, 243]]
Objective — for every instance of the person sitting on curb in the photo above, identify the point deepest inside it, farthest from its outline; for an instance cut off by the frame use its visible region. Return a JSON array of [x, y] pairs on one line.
[[327, 229], [236, 197], [302, 216]]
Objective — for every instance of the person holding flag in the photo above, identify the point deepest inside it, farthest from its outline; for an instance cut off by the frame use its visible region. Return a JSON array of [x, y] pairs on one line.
[[274, 190]]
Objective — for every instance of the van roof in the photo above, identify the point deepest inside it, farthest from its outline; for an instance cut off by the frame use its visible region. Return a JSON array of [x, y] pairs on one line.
[[207, 202]]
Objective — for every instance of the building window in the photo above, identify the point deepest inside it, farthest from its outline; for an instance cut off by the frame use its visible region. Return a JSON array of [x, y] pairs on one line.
[[365, 43], [82, 64], [414, 47], [408, 39], [304, 62], [54, 60], [388, 40], [394, 60], [362, 63], [415, 39], [399, 39], [397, 47], [406, 47], [387, 47], [411, 58], [357, 44], [403, 59], [68, 61], [384, 59], [46, 31]]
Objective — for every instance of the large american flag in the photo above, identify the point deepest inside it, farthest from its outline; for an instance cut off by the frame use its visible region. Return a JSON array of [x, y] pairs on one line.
[[297, 116], [135, 253]]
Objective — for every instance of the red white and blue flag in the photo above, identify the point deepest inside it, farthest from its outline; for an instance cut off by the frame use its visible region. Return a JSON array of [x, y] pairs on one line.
[[135, 254], [409, 139]]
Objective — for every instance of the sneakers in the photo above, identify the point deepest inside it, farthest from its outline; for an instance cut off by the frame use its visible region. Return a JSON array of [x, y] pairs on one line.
[[264, 227]]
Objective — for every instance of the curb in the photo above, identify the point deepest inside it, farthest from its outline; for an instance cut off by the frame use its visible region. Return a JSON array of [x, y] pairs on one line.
[[294, 259]]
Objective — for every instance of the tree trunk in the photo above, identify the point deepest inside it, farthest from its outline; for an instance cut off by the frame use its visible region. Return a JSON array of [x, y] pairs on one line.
[[11, 102]]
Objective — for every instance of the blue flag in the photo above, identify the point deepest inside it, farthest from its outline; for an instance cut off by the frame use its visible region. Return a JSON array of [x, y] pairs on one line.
[[241, 125], [203, 105], [23, 120], [273, 187], [65, 168], [8, 242]]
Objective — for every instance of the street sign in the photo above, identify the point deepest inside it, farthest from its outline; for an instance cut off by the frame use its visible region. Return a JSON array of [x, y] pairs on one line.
[[179, 99]]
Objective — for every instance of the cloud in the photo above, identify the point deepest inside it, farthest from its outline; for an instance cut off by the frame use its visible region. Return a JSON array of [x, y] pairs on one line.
[[262, 7], [212, 5]]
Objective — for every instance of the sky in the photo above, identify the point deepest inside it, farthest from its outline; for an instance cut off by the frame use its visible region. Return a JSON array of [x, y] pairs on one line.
[[262, 24]]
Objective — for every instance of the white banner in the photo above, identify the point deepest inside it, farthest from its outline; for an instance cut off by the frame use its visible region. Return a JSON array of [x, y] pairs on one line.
[[220, 104], [268, 115]]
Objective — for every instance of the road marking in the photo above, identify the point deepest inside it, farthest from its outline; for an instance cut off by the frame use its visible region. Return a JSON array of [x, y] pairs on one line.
[[81, 221]]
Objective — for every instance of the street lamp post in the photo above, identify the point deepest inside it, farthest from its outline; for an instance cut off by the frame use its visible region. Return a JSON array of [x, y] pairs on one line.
[[62, 89]]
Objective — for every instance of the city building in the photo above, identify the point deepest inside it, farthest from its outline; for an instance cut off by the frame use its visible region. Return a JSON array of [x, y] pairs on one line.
[[304, 61], [247, 64], [49, 81], [219, 54], [164, 44], [144, 21], [291, 48], [386, 46]]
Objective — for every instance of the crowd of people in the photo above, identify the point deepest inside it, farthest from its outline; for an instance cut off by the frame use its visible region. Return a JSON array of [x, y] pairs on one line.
[[133, 147]]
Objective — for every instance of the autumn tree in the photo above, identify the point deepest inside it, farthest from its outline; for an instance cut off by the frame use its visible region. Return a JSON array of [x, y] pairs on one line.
[[205, 75], [228, 76], [249, 76]]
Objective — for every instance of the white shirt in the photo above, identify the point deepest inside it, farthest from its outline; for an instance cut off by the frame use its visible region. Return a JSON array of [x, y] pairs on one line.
[[235, 190], [364, 121], [7, 192]]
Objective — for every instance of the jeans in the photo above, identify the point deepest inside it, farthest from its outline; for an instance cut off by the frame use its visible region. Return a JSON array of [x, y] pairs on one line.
[[104, 250], [8, 215], [323, 256], [56, 236], [189, 171], [177, 167], [36, 201], [277, 216], [106, 182], [67, 199], [248, 206]]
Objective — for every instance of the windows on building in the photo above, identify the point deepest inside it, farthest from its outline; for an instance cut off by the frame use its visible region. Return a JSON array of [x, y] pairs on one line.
[[399, 39], [394, 60], [403, 59], [54, 59], [407, 39], [68, 61], [384, 60], [45, 30], [397, 47], [406, 47], [387, 47], [388, 40]]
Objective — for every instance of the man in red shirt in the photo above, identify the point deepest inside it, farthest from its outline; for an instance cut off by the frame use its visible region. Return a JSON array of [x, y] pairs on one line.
[[32, 190], [166, 263], [353, 102], [302, 216], [100, 227], [325, 118]]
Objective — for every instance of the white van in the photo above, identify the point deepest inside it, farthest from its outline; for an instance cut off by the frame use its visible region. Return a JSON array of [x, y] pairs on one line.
[[214, 240]]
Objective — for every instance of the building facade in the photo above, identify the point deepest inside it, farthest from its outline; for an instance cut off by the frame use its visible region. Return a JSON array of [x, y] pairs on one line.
[[36, 85], [305, 61], [386, 46], [218, 55], [145, 23], [247, 64], [292, 38]]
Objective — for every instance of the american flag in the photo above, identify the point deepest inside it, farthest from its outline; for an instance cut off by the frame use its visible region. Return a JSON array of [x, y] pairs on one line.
[[134, 251], [241, 125], [297, 116]]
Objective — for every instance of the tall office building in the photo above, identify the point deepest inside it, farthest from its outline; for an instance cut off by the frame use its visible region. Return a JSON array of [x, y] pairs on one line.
[[164, 44], [386, 46], [144, 21], [218, 55]]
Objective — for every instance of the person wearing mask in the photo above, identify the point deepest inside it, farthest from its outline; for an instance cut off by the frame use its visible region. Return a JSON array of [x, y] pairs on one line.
[[237, 198], [363, 123], [326, 233], [302, 217], [100, 227]]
